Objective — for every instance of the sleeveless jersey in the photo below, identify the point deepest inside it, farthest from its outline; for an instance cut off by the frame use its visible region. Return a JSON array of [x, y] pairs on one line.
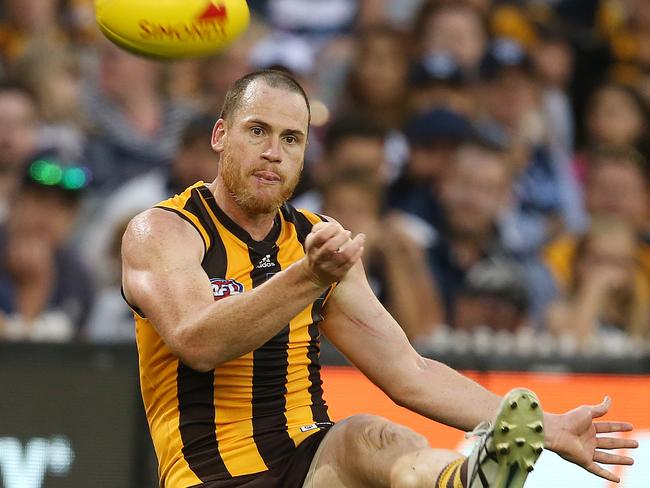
[[250, 413]]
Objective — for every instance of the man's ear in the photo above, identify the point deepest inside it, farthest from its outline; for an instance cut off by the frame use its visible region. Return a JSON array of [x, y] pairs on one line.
[[218, 136]]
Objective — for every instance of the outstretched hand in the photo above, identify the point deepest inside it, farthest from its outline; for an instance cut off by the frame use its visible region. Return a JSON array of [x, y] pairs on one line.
[[574, 435]]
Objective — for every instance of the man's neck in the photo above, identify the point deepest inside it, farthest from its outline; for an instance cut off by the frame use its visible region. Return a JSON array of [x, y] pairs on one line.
[[258, 226]]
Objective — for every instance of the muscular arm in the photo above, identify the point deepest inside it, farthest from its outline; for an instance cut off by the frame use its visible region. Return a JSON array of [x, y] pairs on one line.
[[361, 328], [364, 331], [162, 275]]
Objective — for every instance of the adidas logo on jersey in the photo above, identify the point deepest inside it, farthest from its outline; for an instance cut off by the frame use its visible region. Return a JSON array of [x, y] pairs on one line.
[[265, 262]]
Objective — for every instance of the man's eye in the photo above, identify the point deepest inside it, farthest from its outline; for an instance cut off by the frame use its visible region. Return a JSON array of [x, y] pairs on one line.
[[258, 131], [290, 139]]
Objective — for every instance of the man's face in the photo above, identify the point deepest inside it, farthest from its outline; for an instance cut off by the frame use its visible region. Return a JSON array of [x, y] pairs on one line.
[[122, 72], [617, 190], [42, 213], [382, 70], [456, 31], [262, 147], [354, 207], [508, 97], [615, 117], [359, 152], [474, 190], [427, 161]]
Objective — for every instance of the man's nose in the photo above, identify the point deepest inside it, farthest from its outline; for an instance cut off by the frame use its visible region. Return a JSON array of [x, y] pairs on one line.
[[273, 150]]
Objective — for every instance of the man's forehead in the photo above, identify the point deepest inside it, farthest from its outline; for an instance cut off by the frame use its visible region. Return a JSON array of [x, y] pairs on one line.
[[260, 99]]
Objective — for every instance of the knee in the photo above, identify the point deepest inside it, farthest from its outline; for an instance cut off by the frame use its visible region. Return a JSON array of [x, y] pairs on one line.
[[378, 433]]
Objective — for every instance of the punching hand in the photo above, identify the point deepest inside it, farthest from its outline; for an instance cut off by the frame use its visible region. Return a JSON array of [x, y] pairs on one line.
[[330, 252]]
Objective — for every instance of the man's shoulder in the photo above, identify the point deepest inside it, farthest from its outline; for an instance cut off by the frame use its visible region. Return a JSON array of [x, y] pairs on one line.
[[156, 225], [155, 236]]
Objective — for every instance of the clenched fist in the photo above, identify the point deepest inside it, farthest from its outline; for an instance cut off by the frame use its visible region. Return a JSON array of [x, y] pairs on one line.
[[330, 252]]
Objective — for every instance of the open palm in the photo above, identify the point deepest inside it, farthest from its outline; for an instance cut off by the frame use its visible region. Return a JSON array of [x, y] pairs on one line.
[[576, 437]]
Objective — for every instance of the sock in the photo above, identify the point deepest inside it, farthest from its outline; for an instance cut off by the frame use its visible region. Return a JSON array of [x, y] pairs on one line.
[[454, 475]]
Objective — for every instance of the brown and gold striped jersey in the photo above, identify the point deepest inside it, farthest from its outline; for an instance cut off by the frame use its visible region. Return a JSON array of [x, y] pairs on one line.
[[251, 413]]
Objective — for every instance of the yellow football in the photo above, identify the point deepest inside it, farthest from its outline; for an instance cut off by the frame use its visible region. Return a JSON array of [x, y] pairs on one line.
[[172, 29]]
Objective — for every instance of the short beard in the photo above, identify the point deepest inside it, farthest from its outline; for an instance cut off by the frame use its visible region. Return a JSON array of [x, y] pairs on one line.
[[248, 201]]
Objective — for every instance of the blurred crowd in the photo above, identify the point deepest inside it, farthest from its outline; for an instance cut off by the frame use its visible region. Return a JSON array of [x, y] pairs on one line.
[[494, 152]]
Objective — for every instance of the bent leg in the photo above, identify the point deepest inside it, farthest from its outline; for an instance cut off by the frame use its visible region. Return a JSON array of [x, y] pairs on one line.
[[368, 451]]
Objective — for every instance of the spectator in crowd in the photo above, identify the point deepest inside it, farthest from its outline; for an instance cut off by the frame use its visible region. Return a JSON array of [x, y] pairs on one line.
[[55, 77], [626, 26], [134, 128], [616, 116], [45, 291], [545, 36], [608, 292], [317, 20], [618, 186], [395, 263], [29, 22], [475, 202], [19, 123], [474, 192], [203, 82], [110, 319], [287, 53], [494, 295], [455, 28], [398, 89], [195, 161], [351, 141], [377, 84], [434, 136], [616, 190], [552, 59], [547, 197], [437, 81], [216, 73]]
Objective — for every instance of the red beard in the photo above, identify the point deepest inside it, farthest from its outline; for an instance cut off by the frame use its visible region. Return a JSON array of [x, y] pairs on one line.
[[247, 197]]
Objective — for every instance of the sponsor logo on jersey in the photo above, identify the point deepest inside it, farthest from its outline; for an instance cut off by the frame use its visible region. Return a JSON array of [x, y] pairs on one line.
[[222, 288], [265, 262]]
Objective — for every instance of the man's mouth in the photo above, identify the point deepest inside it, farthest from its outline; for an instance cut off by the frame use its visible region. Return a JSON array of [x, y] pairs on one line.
[[267, 176]]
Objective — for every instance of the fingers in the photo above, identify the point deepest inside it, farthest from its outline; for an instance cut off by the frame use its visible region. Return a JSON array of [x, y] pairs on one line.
[[607, 427], [327, 237], [601, 409], [329, 240], [331, 252], [615, 443], [351, 246], [351, 252], [602, 472], [322, 232], [607, 458]]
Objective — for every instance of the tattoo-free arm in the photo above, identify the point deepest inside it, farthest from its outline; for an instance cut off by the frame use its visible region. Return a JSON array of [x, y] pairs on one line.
[[162, 275]]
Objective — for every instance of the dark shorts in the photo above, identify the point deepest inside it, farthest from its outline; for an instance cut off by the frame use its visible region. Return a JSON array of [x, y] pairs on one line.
[[290, 473]]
